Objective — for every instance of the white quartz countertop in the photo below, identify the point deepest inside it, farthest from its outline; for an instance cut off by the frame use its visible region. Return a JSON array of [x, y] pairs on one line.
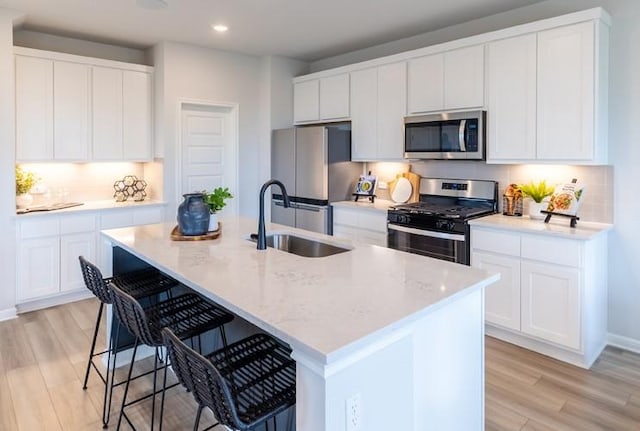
[[93, 206], [378, 205], [557, 226], [325, 307]]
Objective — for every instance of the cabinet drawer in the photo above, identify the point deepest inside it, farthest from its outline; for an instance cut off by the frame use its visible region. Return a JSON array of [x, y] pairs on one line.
[[552, 250], [373, 221], [77, 223], [116, 219], [40, 227], [497, 242], [345, 217]]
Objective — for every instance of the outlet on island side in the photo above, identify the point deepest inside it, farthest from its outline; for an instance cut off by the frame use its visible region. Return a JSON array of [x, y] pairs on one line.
[[354, 413]]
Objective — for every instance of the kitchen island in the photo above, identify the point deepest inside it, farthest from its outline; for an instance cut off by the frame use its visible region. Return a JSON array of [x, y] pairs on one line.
[[397, 337]]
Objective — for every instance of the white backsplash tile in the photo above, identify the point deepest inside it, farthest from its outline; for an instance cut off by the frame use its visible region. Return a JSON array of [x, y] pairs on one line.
[[81, 182], [598, 180]]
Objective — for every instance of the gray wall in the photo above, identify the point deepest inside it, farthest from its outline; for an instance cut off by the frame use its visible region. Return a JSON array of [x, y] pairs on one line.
[[624, 135], [7, 158], [50, 42]]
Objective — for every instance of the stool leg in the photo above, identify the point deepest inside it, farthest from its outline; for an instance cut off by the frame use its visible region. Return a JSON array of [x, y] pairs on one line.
[[113, 347], [164, 388], [93, 345], [197, 423], [126, 386], [153, 397]]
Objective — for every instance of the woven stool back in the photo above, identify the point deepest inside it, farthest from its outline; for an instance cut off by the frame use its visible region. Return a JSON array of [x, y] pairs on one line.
[[202, 379], [94, 281], [132, 316]]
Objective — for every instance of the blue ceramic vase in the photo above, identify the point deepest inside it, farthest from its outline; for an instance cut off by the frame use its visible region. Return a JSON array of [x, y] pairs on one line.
[[193, 215]]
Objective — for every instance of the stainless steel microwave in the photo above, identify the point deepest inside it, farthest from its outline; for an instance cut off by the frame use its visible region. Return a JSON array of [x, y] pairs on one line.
[[448, 135]]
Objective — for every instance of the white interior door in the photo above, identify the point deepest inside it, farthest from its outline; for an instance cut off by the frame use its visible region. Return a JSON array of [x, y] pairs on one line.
[[209, 151]]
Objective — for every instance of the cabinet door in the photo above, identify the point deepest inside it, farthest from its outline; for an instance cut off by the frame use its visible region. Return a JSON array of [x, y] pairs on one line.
[[364, 111], [107, 113], [502, 299], [306, 101], [464, 78], [71, 111], [334, 97], [426, 84], [551, 303], [511, 93], [72, 246], [566, 93], [38, 268], [137, 116], [392, 106], [34, 109], [148, 215]]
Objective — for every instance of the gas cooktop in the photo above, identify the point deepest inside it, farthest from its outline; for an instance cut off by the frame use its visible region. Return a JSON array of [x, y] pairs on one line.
[[428, 209]]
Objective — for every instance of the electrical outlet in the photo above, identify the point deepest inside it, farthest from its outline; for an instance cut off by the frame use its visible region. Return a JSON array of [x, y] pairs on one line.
[[382, 185], [354, 413]]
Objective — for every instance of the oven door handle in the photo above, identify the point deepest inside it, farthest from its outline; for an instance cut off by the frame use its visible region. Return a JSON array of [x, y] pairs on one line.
[[423, 232]]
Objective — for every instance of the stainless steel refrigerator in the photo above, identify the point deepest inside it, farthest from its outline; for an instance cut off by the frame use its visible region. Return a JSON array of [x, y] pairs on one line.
[[314, 163]]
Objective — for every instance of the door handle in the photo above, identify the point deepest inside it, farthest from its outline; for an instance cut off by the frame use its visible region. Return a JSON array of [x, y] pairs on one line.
[[461, 135]]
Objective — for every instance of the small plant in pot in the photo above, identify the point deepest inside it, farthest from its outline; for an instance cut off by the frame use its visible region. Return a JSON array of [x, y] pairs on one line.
[[216, 201], [538, 192], [24, 182]]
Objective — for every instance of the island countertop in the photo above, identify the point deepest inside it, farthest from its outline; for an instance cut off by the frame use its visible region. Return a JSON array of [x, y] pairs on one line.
[[326, 307]]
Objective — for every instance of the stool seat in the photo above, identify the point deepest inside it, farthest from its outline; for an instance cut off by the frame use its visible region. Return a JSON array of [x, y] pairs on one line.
[[144, 282]]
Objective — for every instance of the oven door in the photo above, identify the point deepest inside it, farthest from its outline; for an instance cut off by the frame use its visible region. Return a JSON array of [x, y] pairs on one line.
[[452, 247]]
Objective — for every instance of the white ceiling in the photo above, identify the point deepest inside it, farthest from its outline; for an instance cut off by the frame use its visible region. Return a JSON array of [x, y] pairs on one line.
[[303, 29]]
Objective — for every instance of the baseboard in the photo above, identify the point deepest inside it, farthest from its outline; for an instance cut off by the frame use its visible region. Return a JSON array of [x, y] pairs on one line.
[[624, 343], [8, 313], [52, 301]]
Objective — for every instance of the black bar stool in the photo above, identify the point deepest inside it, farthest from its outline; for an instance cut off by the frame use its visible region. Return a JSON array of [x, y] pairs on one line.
[[188, 316], [244, 384], [139, 284]]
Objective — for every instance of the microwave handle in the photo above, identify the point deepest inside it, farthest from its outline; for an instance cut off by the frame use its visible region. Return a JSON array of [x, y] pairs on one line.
[[462, 136]]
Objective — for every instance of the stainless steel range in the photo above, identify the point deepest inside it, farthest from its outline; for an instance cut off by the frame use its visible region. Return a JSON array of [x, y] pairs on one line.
[[437, 226]]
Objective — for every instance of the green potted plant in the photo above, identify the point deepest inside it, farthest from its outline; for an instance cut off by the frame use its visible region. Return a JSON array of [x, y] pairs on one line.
[[216, 201], [538, 192], [24, 182]]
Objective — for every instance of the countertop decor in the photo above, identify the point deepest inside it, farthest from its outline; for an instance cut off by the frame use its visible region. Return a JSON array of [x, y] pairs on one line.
[[130, 187]]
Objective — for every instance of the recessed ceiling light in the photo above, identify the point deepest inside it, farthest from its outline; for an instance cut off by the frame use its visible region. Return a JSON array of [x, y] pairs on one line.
[[220, 28], [152, 4]]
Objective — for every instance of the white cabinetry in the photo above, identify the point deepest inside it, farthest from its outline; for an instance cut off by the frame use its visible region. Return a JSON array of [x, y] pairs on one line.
[[547, 96], [34, 108], [48, 250], [511, 98], [552, 294], [378, 106], [360, 224], [449, 80], [324, 99], [71, 96], [566, 98], [73, 108]]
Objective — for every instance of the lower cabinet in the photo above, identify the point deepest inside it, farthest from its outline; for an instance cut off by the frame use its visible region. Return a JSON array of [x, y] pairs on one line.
[[360, 224], [48, 250], [552, 295], [49, 246]]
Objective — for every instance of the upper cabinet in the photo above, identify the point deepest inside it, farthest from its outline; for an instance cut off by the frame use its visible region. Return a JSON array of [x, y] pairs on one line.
[[547, 96], [71, 108], [445, 81], [324, 99], [378, 105], [543, 84], [511, 98]]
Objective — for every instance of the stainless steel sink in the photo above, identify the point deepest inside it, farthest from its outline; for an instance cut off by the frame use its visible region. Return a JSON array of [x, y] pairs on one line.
[[301, 246]]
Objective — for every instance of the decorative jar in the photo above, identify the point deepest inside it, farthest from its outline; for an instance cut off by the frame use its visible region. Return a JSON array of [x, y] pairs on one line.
[[193, 215]]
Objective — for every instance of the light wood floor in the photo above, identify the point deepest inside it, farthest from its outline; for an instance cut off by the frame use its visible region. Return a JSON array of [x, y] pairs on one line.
[[43, 354]]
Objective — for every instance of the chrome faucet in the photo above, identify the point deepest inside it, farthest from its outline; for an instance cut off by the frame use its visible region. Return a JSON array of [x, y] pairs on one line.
[[262, 236]]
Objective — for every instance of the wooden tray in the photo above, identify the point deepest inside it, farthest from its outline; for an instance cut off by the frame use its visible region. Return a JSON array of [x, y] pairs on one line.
[[176, 235]]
